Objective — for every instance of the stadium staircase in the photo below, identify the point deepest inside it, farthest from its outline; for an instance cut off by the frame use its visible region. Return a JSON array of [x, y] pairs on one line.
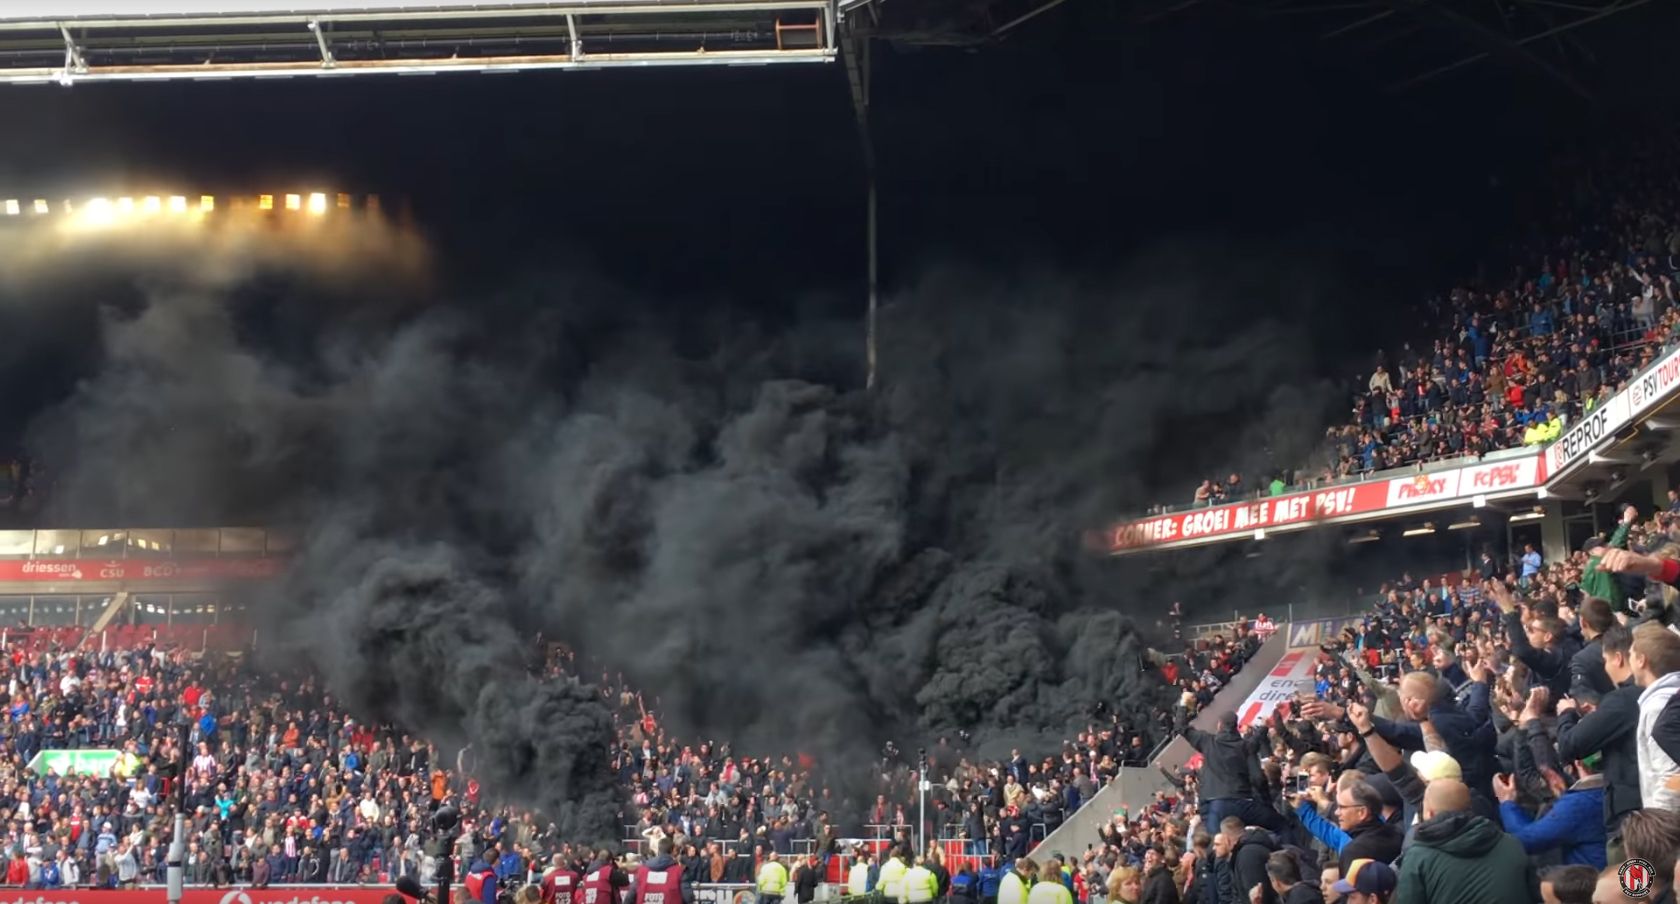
[[1133, 788], [118, 603]]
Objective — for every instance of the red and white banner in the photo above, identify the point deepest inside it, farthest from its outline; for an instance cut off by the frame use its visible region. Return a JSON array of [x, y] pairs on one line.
[[1370, 498], [1432, 487], [1293, 674], [1241, 517], [70, 571]]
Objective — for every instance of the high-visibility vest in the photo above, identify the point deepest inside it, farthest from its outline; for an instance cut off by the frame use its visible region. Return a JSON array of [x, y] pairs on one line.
[[891, 882], [920, 885], [1049, 893], [857, 881], [1013, 889], [772, 878]]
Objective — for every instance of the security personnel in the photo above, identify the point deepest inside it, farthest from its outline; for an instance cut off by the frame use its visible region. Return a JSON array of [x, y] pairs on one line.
[[920, 884], [660, 880], [559, 882], [772, 879], [601, 883], [1016, 883], [990, 878], [965, 887], [891, 883], [857, 878], [1050, 891]]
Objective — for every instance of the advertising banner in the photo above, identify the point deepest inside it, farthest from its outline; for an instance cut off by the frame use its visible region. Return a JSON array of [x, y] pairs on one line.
[[1418, 491], [81, 762], [1599, 425], [66, 571]]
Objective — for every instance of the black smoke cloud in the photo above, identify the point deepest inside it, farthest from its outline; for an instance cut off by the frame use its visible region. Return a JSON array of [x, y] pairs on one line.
[[714, 507]]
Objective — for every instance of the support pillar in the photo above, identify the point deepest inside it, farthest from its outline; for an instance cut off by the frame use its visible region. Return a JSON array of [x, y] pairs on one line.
[[1554, 535]]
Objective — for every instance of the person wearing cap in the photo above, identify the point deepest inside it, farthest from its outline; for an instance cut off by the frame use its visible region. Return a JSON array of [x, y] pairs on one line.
[[1460, 857], [1367, 882]]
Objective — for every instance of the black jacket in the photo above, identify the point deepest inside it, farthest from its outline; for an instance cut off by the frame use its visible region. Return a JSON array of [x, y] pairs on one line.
[[1554, 667], [1374, 840], [1611, 730], [1159, 887], [1305, 892], [1587, 675], [1248, 864], [1225, 771]]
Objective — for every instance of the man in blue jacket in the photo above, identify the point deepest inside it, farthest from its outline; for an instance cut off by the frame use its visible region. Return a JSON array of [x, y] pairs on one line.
[[1575, 824], [1425, 698]]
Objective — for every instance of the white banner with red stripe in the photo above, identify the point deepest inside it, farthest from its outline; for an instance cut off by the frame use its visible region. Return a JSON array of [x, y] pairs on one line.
[[1293, 674]]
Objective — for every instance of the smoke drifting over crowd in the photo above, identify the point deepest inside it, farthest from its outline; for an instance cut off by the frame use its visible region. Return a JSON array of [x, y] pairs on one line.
[[718, 510]]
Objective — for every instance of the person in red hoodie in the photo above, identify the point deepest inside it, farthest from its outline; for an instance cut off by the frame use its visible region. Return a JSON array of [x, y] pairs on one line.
[[17, 870]]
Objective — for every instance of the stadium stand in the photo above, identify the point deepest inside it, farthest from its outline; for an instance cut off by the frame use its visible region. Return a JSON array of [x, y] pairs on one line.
[[1519, 728], [284, 787], [1511, 362]]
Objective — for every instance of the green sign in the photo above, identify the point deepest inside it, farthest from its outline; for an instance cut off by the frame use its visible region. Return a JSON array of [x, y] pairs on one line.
[[81, 762]]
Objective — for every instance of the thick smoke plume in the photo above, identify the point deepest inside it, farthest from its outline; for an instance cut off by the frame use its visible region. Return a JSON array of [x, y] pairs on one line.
[[780, 558]]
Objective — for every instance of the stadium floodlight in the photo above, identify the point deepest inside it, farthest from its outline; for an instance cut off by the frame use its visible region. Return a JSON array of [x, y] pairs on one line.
[[1467, 523], [317, 203], [265, 202], [125, 206], [99, 211], [151, 205], [206, 203], [177, 203], [1534, 515], [1426, 528], [42, 207], [13, 208], [1369, 536], [294, 202]]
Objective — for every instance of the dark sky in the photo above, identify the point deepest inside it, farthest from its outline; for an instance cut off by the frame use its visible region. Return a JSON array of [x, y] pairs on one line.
[[1053, 145], [1069, 147]]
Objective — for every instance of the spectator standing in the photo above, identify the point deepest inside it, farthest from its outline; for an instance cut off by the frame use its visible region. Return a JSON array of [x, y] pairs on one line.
[[1610, 730], [1226, 783], [1656, 668], [1459, 857]]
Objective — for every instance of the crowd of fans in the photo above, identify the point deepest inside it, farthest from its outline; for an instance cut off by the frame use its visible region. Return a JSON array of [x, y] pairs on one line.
[[1488, 739], [282, 785], [1510, 362]]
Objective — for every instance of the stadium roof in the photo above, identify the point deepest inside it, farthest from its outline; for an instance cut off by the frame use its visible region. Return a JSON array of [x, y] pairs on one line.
[[116, 40], [1402, 43]]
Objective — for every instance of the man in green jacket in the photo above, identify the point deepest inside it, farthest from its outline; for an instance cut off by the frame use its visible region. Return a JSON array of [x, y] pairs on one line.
[[1458, 857], [1602, 584]]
